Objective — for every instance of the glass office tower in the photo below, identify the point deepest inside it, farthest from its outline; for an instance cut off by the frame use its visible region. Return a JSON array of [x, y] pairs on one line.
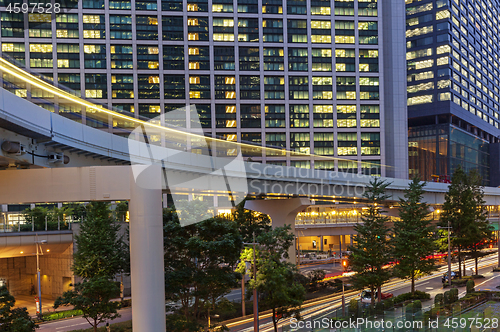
[[323, 77], [453, 87]]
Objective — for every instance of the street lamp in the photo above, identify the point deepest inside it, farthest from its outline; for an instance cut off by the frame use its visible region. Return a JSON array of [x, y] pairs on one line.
[[39, 251], [449, 253], [255, 298]]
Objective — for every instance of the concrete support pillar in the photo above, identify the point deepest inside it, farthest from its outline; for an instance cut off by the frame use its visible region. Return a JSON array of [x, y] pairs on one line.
[[146, 252], [321, 239], [341, 243], [282, 212]]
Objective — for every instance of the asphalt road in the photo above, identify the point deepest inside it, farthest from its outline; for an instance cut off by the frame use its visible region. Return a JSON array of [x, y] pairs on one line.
[[431, 284], [79, 323]]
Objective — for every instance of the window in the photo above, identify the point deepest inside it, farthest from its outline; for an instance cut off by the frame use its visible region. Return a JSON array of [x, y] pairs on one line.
[[273, 59], [249, 58], [420, 100], [172, 27], [224, 58], [41, 56], [68, 56], [225, 87], [370, 144], [94, 56], [322, 87], [199, 58], [96, 86], [272, 7], [275, 117], [369, 88], [297, 31], [199, 87], [174, 86], [297, 59], [367, 7], [344, 32], [250, 116], [173, 57], [346, 116], [122, 86], [149, 86], [322, 59], [14, 51], [323, 116], [345, 60], [296, 7], [299, 116], [346, 88], [321, 32], [67, 26], [225, 116], [250, 87], [368, 60], [147, 28], [94, 27], [324, 144], [299, 87], [248, 30], [122, 57], [12, 25], [274, 87], [347, 144], [368, 32], [272, 31], [198, 28], [370, 116], [344, 8], [147, 57], [300, 142]]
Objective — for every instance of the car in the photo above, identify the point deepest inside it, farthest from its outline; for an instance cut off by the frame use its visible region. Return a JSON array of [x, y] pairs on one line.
[[444, 278], [366, 296]]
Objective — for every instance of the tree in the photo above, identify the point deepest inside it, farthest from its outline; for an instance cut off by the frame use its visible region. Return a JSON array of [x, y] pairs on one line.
[[93, 296], [372, 248], [277, 284], [101, 251], [464, 211], [13, 320], [198, 260], [101, 254], [250, 223], [413, 238]]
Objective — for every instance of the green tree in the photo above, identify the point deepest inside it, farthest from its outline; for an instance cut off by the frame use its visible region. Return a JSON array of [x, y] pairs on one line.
[[37, 215], [413, 239], [13, 320], [121, 211], [372, 248], [277, 284], [464, 211], [199, 260], [250, 222], [93, 296], [101, 251]]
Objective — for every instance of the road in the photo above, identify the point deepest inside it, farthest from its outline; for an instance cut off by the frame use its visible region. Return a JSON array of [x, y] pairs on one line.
[[430, 284], [79, 323]]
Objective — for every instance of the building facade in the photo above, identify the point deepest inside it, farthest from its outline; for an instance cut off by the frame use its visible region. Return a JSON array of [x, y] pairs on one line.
[[321, 77], [453, 87]]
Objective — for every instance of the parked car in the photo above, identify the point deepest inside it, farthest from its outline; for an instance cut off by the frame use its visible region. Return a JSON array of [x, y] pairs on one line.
[[444, 278], [366, 296]]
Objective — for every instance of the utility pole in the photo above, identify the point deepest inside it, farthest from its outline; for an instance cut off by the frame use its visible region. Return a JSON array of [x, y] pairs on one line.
[[255, 298], [38, 253], [449, 255], [243, 311], [343, 299]]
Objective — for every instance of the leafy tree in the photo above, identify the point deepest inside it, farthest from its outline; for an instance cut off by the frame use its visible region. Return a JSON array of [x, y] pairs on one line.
[[277, 284], [101, 252], [413, 238], [250, 222], [464, 211], [198, 260], [93, 296], [121, 211], [372, 248], [13, 320]]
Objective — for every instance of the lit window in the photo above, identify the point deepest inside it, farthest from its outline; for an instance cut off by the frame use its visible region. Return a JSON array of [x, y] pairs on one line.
[[231, 109], [193, 22], [194, 65], [230, 95], [45, 18], [193, 36], [230, 123], [425, 99], [192, 7], [41, 48], [153, 50], [443, 49], [230, 80], [443, 61], [194, 80], [93, 34], [193, 51], [442, 14], [91, 19], [194, 94], [154, 79]]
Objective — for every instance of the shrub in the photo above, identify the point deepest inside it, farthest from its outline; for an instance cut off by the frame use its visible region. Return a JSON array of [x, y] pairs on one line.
[[409, 311], [379, 307], [453, 295], [419, 295], [389, 303], [438, 300], [447, 298], [353, 308], [470, 286], [61, 314], [417, 305]]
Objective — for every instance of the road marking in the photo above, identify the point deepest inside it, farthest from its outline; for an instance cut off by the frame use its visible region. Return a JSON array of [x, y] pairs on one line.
[[429, 288]]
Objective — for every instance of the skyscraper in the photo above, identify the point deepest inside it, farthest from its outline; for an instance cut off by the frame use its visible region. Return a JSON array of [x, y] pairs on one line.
[[323, 77], [453, 87]]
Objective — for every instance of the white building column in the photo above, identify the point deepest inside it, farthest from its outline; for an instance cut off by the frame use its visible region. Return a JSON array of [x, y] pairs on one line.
[[282, 212], [146, 251]]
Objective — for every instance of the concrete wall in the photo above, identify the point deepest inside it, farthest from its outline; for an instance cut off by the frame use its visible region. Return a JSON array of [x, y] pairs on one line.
[[20, 273]]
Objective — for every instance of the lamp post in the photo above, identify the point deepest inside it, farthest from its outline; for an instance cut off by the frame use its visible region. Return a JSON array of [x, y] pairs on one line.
[[255, 298], [343, 299], [38, 253], [449, 253]]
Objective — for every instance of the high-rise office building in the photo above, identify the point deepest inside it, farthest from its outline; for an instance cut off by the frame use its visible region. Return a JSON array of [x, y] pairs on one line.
[[453, 87], [322, 77]]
